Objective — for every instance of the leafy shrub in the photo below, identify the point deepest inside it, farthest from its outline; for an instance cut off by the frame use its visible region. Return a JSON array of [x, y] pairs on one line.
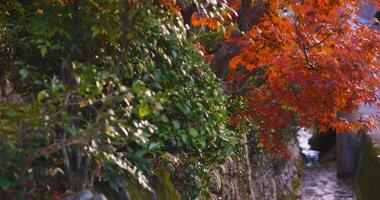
[[109, 89]]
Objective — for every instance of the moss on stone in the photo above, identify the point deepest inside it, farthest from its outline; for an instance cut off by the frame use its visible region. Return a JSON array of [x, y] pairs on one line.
[[299, 167], [295, 183], [290, 196], [137, 193], [164, 186]]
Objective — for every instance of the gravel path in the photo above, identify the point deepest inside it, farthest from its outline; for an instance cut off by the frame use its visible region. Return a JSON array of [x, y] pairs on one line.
[[320, 183]]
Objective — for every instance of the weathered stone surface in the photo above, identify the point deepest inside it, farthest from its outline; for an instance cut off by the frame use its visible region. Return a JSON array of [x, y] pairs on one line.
[[347, 146], [215, 184], [98, 197], [321, 183], [82, 195], [347, 150], [270, 180], [127, 196]]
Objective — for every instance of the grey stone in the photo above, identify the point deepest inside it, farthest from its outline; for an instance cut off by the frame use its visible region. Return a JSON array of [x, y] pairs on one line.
[[98, 197], [127, 197], [82, 195], [170, 167], [215, 184]]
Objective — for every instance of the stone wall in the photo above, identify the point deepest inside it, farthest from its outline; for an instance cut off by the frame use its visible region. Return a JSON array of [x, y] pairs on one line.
[[249, 176], [271, 179]]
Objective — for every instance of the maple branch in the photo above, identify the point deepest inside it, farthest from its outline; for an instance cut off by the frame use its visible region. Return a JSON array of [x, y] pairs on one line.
[[305, 48], [303, 45], [332, 33], [311, 66], [328, 36]]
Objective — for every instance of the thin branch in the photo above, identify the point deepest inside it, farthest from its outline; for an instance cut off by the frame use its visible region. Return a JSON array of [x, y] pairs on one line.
[[127, 7], [311, 66], [302, 44], [53, 148], [327, 37], [332, 33], [85, 103]]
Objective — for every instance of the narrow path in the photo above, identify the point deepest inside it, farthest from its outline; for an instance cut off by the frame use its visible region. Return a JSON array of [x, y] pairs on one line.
[[320, 183]]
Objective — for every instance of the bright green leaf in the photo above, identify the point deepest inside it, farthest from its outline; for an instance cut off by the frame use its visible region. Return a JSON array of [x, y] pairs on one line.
[[42, 95], [43, 50], [176, 124], [143, 109], [193, 132]]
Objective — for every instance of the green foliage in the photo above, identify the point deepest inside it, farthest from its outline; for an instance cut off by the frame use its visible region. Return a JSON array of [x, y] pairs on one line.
[[121, 86]]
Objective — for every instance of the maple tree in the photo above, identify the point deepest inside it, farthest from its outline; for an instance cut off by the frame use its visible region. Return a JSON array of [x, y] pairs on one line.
[[316, 60], [110, 90]]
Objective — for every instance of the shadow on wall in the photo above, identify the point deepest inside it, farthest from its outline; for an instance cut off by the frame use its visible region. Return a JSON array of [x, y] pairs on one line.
[[367, 176]]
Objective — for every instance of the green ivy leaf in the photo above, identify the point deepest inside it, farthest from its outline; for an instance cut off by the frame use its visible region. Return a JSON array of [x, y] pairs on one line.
[[154, 145], [137, 86], [176, 124], [224, 137], [4, 183], [185, 108], [185, 139], [228, 150], [140, 153], [193, 132], [43, 50], [164, 118], [143, 109], [42, 95], [24, 73]]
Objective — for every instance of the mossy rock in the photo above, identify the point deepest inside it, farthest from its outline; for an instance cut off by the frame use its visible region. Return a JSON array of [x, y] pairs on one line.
[[295, 183], [164, 186], [299, 167], [136, 192], [290, 196]]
